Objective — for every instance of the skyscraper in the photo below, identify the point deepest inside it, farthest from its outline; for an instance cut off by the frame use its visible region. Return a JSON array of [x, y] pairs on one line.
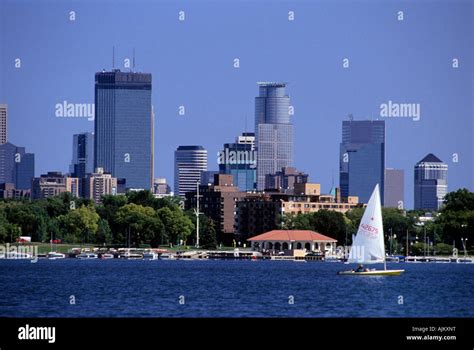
[[362, 158], [394, 188], [431, 183], [273, 130], [239, 159], [82, 155], [123, 137], [3, 124], [189, 163], [16, 166]]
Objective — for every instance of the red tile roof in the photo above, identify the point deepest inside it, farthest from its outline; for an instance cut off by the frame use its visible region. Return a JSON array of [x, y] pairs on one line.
[[292, 235]]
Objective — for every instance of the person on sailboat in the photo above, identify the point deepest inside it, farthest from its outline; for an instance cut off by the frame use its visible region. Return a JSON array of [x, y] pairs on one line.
[[360, 268]]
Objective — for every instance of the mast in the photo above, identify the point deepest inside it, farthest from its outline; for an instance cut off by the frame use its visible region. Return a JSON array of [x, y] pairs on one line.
[[407, 244], [197, 214]]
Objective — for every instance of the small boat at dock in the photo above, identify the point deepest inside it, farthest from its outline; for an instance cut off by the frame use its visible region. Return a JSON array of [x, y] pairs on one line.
[[87, 256], [151, 255], [56, 255]]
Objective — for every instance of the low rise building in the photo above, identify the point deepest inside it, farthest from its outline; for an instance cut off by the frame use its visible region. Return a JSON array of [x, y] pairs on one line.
[[53, 184], [218, 202], [99, 184], [284, 240], [261, 212], [8, 190], [285, 180]]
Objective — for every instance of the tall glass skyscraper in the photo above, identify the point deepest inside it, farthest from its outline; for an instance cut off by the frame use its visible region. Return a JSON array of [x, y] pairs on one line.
[[82, 155], [123, 137], [189, 163], [431, 183], [362, 158], [239, 159], [273, 131]]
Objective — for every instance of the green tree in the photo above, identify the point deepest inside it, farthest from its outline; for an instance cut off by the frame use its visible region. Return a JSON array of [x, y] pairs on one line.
[[104, 234], [140, 224], [418, 248], [60, 205], [456, 218], [293, 221], [354, 215], [460, 200], [108, 210], [23, 216], [208, 239], [143, 198], [443, 249], [80, 224], [329, 223], [177, 225]]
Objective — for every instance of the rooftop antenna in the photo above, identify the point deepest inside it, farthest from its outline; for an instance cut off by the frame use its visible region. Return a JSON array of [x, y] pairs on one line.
[[113, 57], [351, 117], [246, 123], [133, 64]]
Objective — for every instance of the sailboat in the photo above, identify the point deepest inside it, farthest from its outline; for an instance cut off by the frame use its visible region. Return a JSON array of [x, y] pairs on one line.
[[368, 245], [54, 255]]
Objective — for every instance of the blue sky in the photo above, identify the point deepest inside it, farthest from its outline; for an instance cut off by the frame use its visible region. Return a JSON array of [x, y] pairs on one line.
[[407, 61]]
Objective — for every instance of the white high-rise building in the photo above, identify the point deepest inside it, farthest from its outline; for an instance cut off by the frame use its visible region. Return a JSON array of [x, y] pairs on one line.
[[189, 163]]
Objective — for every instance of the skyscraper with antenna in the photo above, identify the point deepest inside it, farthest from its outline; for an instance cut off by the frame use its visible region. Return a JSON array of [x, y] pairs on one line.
[[123, 129]]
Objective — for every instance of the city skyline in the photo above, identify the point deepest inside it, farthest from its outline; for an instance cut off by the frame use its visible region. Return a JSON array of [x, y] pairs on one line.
[[320, 105]]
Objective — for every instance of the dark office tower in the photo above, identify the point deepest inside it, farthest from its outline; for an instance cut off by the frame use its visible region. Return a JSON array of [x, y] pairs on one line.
[[207, 177], [431, 183], [239, 159], [82, 155], [189, 163], [394, 188], [362, 158], [273, 131], [16, 166], [123, 136]]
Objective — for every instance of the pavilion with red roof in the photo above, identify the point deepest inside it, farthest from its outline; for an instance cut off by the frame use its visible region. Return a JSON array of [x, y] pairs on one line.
[[278, 240]]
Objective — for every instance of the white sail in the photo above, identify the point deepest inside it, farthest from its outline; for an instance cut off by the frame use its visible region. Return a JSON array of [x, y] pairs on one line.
[[368, 246]]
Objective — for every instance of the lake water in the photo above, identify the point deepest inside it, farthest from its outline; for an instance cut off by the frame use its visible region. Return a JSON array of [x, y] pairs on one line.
[[121, 288]]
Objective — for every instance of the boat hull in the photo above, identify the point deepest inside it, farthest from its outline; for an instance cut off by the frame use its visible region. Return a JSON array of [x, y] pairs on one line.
[[372, 273]]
